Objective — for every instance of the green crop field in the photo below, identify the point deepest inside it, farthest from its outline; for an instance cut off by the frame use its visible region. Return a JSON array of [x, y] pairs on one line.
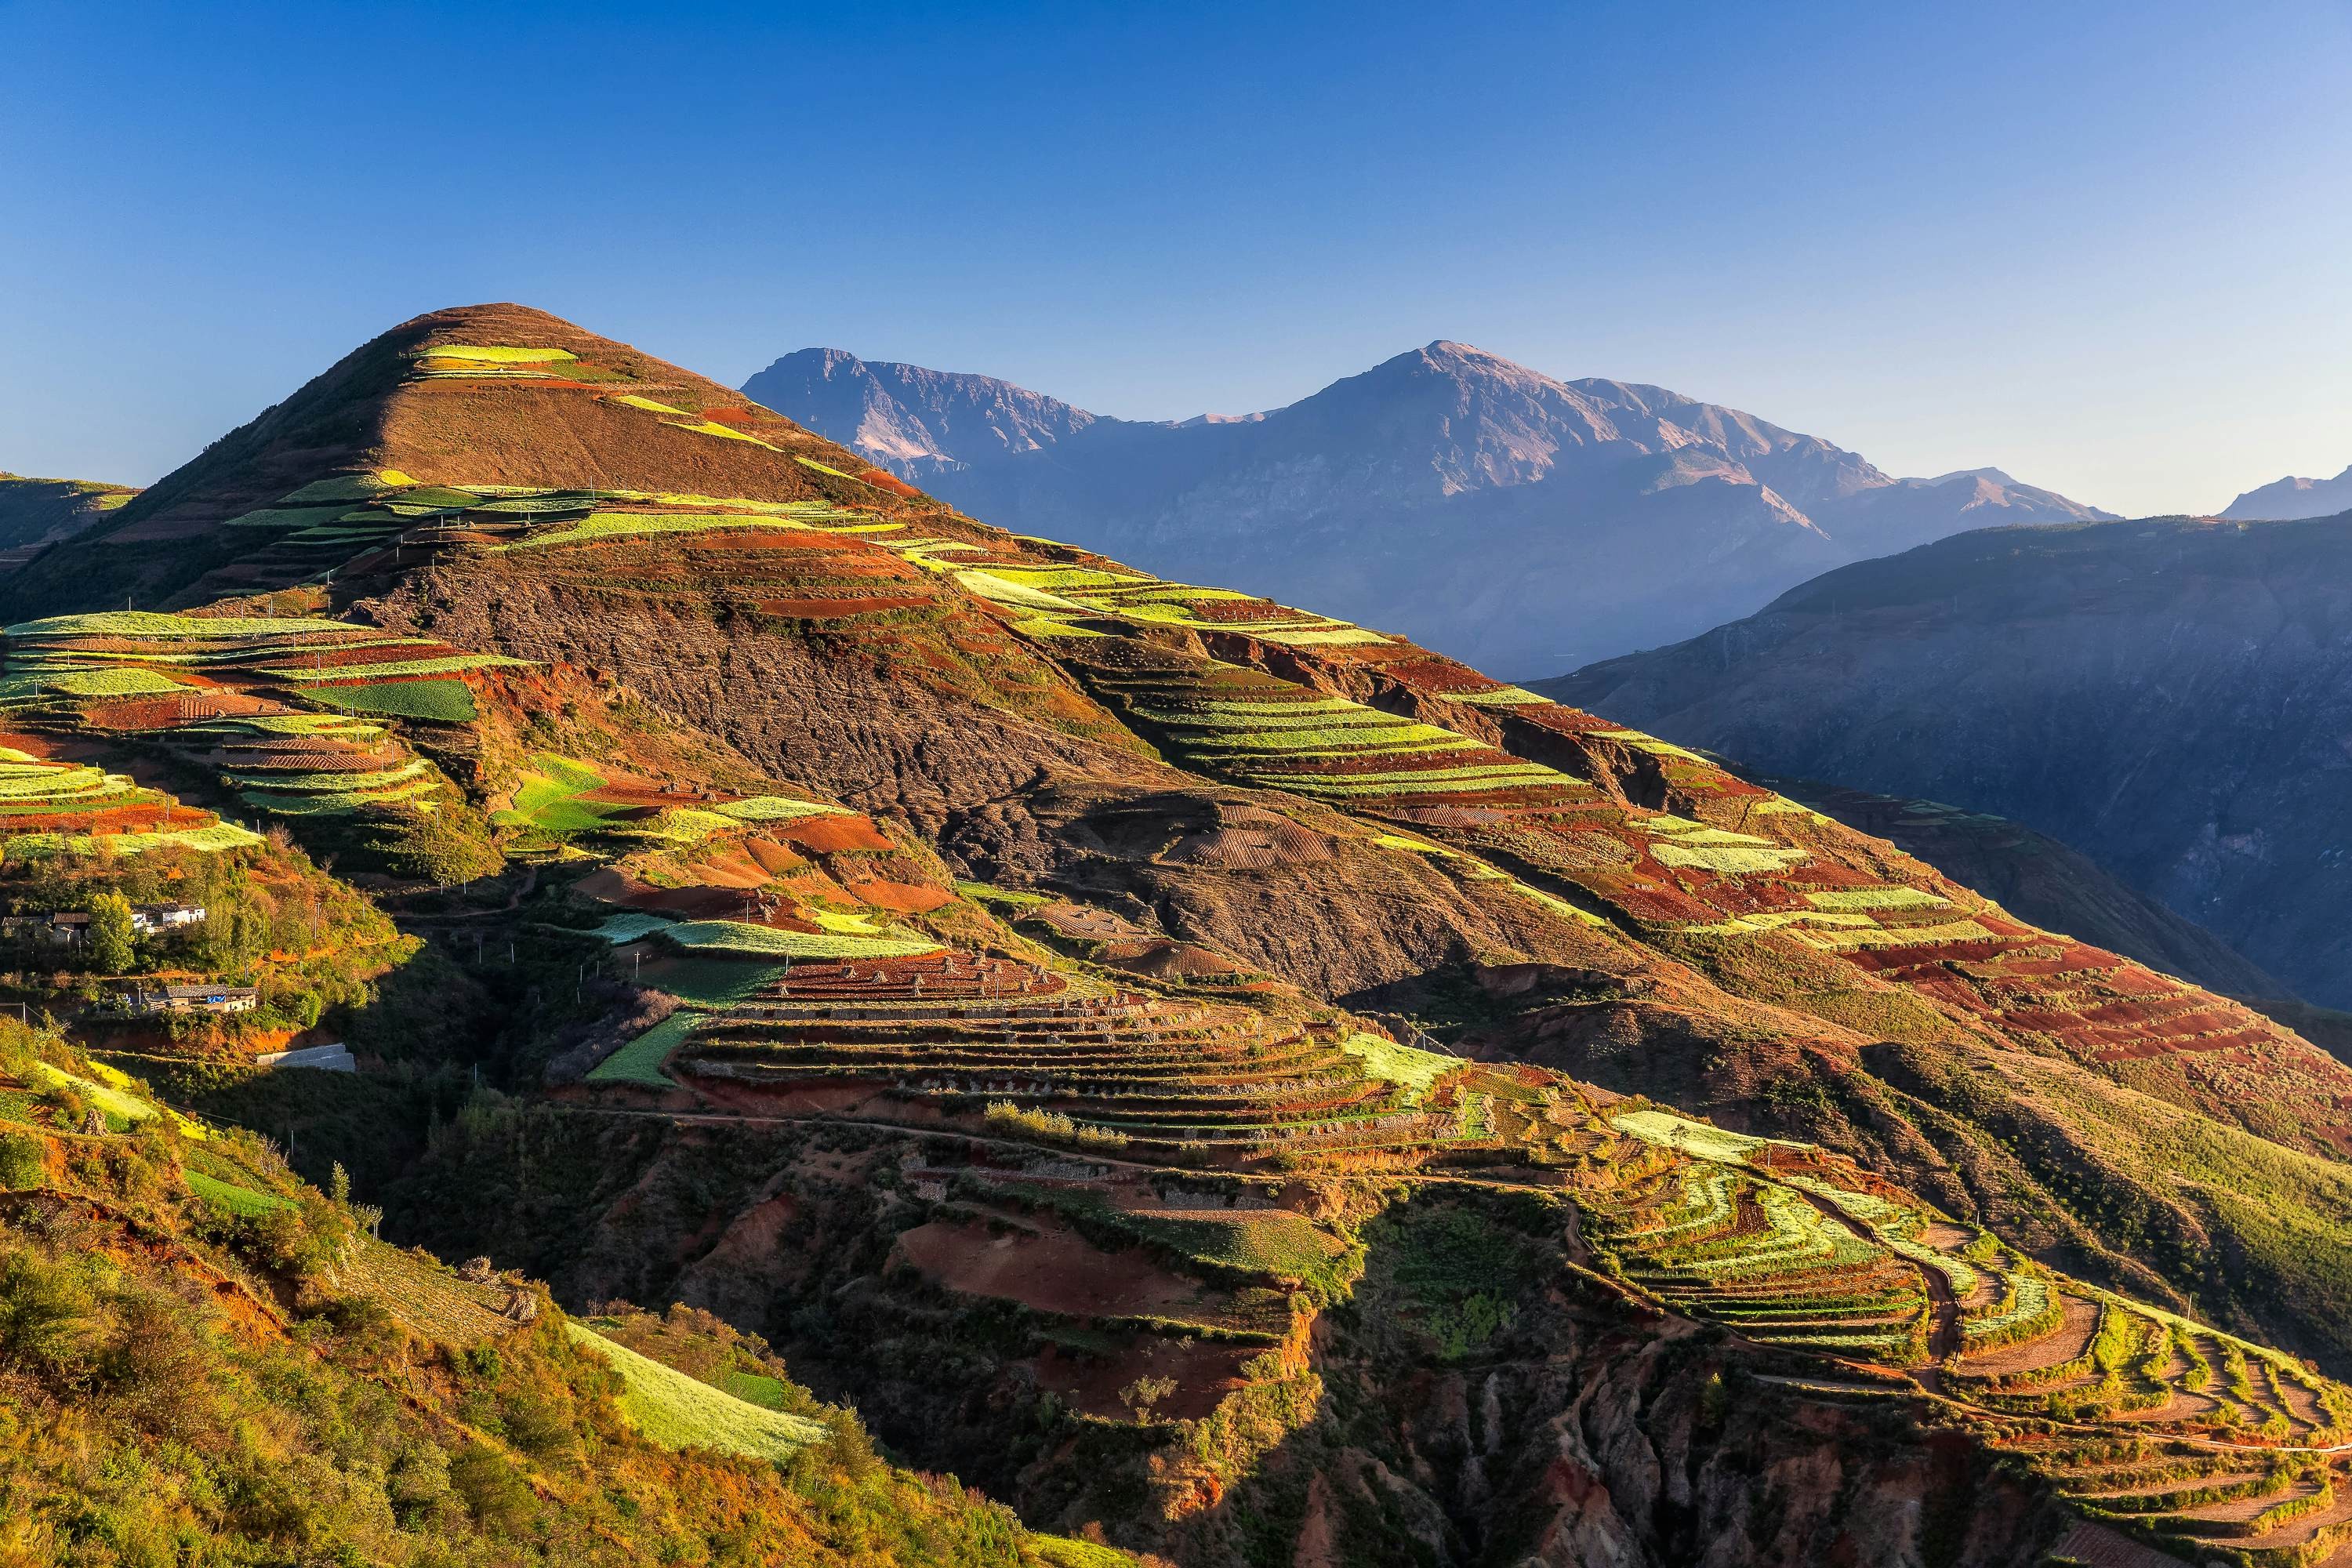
[[765, 941], [155, 623], [364, 673], [774, 808], [333, 803], [229, 1195], [999, 591], [498, 354], [1322, 637], [549, 797], [1501, 697], [1272, 1241], [1893, 897], [218, 836], [1431, 781], [441, 701], [602, 525], [1699, 1138], [711, 982], [676, 1410], [335, 782], [1414, 1069], [631, 925], [290, 516], [640, 1061], [726, 432]]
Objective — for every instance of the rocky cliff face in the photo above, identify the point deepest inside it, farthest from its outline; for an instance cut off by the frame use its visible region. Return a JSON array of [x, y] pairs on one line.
[[2166, 696], [1506, 517]]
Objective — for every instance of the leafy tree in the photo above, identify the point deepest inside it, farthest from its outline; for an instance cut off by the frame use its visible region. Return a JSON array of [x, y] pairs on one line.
[[113, 939], [444, 847]]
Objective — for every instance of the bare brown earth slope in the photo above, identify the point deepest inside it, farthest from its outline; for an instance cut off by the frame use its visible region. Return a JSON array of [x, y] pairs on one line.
[[2166, 696], [1212, 1071]]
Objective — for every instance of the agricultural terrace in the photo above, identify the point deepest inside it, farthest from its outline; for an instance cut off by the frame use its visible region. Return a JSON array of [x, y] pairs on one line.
[[56, 807], [558, 799], [2138, 1416], [1742, 865], [2187, 1435], [1026, 1051], [1259, 729], [360, 520], [238, 696], [1050, 595], [668, 1407]]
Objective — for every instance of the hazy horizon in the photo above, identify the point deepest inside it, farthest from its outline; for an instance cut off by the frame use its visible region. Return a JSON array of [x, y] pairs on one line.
[[2096, 251]]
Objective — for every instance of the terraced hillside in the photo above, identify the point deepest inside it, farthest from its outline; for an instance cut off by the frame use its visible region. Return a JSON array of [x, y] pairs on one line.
[[2220, 638], [1199, 1067], [183, 1310], [1796, 1252], [966, 682]]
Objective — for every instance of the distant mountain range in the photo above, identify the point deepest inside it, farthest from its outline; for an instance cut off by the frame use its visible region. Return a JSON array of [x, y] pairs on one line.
[[2293, 497], [1504, 517]]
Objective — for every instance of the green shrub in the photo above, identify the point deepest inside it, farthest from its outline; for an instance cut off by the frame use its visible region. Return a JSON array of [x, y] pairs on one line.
[[23, 1160]]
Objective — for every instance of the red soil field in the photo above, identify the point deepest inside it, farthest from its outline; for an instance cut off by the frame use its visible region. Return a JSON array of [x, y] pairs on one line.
[[901, 896], [1441, 675], [890, 483], [1050, 1270], [330, 658]]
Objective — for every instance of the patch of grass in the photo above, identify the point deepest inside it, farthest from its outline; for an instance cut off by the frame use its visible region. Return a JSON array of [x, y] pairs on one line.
[[235, 1199], [676, 1411], [712, 981], [640, 1061], [1417, 1071]]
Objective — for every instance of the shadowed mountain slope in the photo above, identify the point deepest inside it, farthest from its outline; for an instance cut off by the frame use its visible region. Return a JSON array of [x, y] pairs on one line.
[[2055, 886], [2166, 696], [1506, 517], [35, 512]]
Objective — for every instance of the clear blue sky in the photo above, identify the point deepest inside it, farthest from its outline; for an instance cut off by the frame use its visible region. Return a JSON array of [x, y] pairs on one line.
[[2104, 246]]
